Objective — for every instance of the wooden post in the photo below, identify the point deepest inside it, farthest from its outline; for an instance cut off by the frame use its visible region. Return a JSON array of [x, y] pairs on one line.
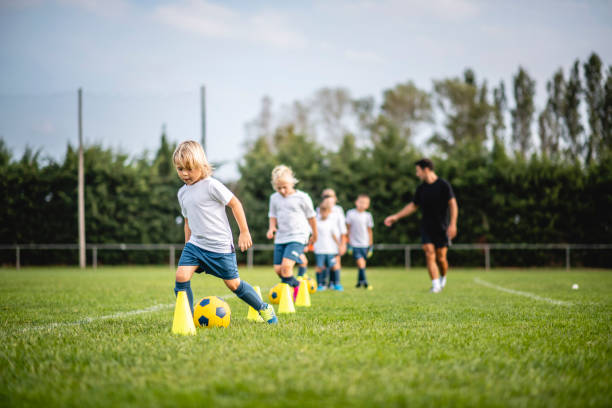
[[487, 257], [94, 256], [18, 257], [407, 260], [172, 254], [82, 259], [567, 258]]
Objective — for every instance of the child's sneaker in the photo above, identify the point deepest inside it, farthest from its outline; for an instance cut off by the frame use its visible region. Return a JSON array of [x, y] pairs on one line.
[[267, 313], [358, 285], [321, 288], [338, 287]]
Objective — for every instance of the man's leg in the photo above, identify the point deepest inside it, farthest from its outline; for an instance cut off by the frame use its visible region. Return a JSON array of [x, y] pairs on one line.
[[432, 267], [442, 264]]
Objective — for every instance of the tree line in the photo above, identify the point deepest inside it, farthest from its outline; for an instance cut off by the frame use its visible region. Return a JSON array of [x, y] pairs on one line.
[[510, 186]]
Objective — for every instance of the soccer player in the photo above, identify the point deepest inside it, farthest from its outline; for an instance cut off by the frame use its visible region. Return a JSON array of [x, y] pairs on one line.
[[337, 214], [326, 247], [436, 199], [209, 245], [359, 224], [292, 219]]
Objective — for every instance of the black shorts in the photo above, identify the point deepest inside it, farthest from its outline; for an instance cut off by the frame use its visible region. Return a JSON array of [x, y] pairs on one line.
[[438, 238]]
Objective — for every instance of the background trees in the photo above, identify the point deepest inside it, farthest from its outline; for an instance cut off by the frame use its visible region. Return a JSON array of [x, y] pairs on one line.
[[510, 187]]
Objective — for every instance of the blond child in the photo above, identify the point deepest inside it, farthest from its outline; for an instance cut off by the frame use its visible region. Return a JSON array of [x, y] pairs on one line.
[[291, 220], [359, 224], [209, 245]]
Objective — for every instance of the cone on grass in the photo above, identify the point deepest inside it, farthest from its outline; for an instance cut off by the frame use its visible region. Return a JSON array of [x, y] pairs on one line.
[[286, 300], [303, 297], [253, 314], [183, 320]]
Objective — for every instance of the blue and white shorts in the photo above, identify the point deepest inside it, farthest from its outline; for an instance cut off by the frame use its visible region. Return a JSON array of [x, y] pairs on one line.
[[290, 250], [222, 266]]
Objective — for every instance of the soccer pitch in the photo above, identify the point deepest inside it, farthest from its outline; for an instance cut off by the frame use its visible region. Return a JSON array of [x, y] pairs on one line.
[[499, 338]]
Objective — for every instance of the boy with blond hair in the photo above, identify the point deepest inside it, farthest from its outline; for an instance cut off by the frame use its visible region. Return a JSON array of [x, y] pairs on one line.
[[209, 244], [292, 218], [359, 224]]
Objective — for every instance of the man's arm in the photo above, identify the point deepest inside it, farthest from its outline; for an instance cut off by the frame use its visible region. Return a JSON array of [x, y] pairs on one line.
[[404, 212], [187, 231], [244, 239], [454, 212]]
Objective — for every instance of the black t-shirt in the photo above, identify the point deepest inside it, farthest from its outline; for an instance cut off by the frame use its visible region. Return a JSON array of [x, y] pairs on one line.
[[433, 199]]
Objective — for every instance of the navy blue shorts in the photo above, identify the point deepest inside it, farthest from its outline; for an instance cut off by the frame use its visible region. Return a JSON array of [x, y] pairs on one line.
[[222, 266], [290, 250], [360, 252], [438, 238], [325, 260]]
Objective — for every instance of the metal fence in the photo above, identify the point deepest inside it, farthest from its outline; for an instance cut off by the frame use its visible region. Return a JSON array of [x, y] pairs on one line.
[[406, 248]]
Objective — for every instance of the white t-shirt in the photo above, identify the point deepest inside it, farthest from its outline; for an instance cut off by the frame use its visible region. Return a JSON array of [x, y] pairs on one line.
[[292, 214], [326, 230], [203, 204], [337, 213], [359, 222]]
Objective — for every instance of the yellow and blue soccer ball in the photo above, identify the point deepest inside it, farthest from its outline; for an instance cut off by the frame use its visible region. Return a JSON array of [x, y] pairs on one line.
[[312, 285], [275, 293], [212, 311]]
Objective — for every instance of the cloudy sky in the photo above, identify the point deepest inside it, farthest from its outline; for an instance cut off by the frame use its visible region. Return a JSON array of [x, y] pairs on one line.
[[141, 63]]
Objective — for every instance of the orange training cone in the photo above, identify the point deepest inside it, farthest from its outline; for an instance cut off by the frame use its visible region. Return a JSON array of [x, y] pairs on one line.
[[183, 320], [286, 300], [303, 297], [253, 314]]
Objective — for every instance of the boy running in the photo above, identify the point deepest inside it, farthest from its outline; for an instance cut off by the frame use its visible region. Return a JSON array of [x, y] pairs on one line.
[[292, 218], [359, 224], [209, 245]]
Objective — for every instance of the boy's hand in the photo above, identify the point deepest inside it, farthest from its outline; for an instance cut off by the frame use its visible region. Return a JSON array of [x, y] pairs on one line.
[[313, 239], [270, 233], [342, 249], [370, 251], [245, 241]]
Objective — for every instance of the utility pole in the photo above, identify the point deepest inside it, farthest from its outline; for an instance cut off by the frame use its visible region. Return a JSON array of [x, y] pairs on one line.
[[82, 259], [203, 113]]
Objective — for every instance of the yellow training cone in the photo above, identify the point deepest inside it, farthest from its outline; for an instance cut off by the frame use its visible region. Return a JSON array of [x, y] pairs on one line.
[[253, 314], [303, 297], [286, 300], [183, 320]]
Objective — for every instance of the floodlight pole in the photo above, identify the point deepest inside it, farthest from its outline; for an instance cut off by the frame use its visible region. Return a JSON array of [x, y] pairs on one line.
[[82, 259], [203, 114]]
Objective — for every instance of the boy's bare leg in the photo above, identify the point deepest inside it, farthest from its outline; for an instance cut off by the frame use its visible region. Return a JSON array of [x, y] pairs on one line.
[[183, 282]]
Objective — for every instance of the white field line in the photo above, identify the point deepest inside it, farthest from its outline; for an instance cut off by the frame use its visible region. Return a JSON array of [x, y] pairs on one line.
[[119, 315], [520, 293]]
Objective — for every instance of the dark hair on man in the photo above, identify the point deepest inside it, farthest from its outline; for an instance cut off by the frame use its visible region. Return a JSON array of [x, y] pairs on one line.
[[425, 163], [364, 195]]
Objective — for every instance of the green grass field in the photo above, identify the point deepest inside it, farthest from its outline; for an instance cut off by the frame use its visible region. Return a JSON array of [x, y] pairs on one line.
[[69, 339]]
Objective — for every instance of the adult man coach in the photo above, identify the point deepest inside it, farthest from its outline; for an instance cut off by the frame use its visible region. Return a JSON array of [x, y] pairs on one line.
[[436, 199]]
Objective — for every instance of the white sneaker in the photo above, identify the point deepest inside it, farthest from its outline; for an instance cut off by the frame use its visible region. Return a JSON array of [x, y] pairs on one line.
[[442, 283], [435, 290]]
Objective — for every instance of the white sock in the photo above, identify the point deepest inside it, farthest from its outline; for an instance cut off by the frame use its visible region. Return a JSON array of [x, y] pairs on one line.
[[443, 281], [435, 283]]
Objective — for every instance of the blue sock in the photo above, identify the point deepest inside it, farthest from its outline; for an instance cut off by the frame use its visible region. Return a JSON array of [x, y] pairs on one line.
[[248, 295], [301, 270], [337, 276], [326, 280], [362, 275], [319, 278], [291, 281], [185, 286], [332, 276]]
